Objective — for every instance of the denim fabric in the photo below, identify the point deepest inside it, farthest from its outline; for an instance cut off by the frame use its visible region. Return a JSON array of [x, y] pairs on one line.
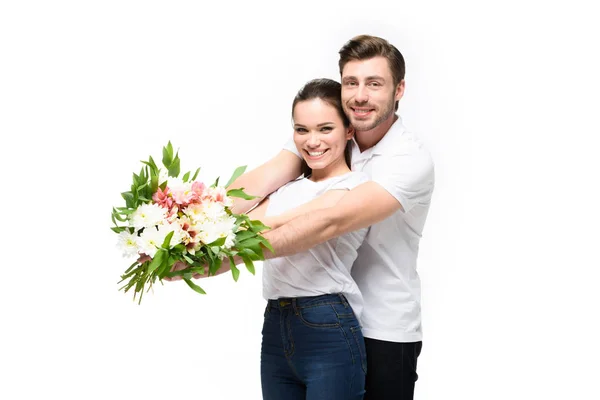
[[313, 349]]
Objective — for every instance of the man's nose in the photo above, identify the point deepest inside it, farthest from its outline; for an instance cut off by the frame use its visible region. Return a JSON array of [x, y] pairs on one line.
[[362, 95]]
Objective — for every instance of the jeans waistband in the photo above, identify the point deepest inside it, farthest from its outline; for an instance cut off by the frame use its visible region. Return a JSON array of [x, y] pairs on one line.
[[307, 301]]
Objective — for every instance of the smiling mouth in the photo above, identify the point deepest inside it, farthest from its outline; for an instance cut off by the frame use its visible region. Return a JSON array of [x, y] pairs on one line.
[[315, 154], [361, 112]]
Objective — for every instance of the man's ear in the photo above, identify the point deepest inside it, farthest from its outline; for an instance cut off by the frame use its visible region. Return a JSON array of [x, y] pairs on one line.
[[399, 90]]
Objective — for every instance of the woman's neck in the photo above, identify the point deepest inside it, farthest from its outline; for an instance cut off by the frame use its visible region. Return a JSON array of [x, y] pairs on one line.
[[340, 168]]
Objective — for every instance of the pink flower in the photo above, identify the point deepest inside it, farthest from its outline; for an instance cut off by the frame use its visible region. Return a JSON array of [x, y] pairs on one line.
[[219, 195], [182, 196], [162, 198], [197, 190]]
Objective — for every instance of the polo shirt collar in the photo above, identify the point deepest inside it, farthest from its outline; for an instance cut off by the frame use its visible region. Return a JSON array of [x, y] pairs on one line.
[[386, 145]]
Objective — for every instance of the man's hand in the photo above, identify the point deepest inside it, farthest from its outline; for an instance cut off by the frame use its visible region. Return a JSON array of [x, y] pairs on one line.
[[178, 266]]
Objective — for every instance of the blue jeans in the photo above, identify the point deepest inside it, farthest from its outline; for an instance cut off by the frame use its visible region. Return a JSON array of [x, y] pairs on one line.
[[312, 349]]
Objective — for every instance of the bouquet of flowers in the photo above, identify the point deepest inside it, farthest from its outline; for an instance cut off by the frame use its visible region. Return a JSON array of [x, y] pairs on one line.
[[169, 219]]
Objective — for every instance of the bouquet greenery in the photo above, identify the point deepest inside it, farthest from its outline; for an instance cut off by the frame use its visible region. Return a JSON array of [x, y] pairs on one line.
[[168, 219]]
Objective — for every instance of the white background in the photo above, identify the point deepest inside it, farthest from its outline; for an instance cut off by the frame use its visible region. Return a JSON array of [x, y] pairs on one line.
[[505, 94]]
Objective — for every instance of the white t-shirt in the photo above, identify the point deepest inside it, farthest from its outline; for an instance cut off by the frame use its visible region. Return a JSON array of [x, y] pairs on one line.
[[386, 267], [325, 268]]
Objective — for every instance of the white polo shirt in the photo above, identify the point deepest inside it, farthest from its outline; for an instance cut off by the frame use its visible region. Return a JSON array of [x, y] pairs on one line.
[[386, 267]]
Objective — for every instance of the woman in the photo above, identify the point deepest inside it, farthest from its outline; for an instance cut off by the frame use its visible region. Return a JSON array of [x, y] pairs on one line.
[[312, 346]]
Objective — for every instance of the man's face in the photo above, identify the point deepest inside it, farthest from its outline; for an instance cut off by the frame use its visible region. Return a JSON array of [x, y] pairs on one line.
[[368, 92]]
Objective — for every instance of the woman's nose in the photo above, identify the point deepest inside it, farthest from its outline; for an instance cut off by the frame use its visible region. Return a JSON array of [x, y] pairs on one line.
[[313, 140]]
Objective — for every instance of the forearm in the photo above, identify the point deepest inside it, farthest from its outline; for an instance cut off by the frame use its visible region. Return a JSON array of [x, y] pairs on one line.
[[265, 179], [250, 183], [360, 208], [303, 233]]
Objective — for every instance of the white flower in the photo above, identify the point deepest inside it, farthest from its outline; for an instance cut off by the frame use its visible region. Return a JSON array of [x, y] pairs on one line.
[[208, 211], [194, 212], [179, 235], [147, 215], [210, 231], [230, 241], [225, 226], [207, 232], [213, 211], [152, 238], [127, 244]]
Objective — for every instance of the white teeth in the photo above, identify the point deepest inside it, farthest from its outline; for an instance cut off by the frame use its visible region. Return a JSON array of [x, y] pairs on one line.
[[315, 154], [361, 111]]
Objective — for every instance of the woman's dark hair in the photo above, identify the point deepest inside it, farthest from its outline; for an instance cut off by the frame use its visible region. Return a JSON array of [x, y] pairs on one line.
[[330, 92]]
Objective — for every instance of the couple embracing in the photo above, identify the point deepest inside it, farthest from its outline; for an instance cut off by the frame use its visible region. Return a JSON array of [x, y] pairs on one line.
[[346, 200]]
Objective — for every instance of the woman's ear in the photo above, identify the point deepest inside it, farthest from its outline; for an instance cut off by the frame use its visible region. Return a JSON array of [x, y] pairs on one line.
[[349, 132]]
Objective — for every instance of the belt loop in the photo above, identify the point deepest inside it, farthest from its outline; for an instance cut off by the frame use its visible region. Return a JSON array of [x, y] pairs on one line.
[[269, 305], [295, 306], [344, 301]]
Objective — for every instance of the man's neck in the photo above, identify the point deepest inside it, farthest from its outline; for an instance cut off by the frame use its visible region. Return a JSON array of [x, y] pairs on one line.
[[368, 139]]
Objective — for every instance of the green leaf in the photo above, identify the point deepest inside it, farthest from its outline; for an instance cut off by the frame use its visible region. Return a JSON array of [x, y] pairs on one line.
[[250, 253], [259, 252], [165, 267], [251, 242], [214, 266], [128, 196], [248, 263], [194, 286], [266, 243], [152, 165], [175, 167], [167, 158], [238, 171], [157, 260], [167, 241], [118, 229], [196, 174], [243, 235], [120, 218], [154, 183], [186, 176], [219, 242], [234, 270], [179, 247], [258, 226], [240, 193]]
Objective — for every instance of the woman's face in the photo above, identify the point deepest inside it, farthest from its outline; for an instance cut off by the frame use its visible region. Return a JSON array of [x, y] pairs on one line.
[[319, 134]]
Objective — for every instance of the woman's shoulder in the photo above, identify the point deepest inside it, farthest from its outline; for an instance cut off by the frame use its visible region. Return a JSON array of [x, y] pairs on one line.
[[349, 180]]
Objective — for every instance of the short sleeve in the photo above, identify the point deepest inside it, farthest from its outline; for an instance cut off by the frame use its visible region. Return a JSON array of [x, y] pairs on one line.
[[291, 146], [408, 176]]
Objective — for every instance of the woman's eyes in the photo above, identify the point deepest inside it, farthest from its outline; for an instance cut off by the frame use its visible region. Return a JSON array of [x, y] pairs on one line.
[[325, 129]]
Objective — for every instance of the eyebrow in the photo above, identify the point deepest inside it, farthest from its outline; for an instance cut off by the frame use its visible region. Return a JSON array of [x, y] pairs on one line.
[[318, 126], [368, 78]]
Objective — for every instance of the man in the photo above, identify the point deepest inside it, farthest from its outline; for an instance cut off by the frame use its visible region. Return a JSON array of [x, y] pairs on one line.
[[394, 204]]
